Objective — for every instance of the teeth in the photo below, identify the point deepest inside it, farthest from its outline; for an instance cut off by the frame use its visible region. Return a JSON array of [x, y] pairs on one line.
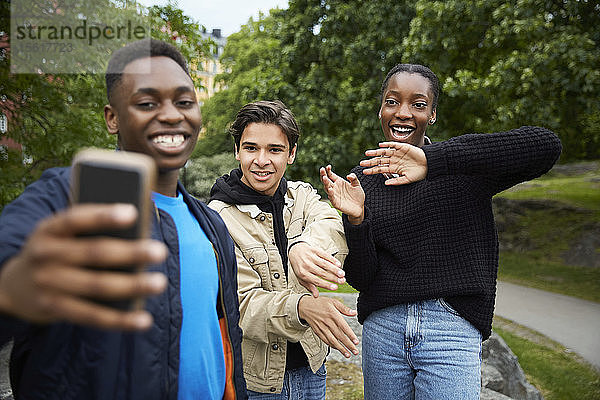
[[262, 173], [168, 140], [402, 129]]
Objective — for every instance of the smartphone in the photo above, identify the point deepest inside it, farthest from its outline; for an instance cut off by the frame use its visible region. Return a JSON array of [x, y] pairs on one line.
[[105, 176]]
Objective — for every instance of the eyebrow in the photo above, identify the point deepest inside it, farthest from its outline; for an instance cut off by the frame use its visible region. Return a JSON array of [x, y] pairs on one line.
[[153, 91], [271, 145], [414, 94]]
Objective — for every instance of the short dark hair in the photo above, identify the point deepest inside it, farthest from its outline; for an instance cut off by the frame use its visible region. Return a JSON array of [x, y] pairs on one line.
[[422, 70], [266, 112], [133, 51]]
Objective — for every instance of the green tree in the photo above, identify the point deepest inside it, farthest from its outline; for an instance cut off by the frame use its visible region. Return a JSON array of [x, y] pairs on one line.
[[172, 25], [199, 174], [253, 66], [52, 115], [505, 64], [501, 64], [339, 52], [325, 60]]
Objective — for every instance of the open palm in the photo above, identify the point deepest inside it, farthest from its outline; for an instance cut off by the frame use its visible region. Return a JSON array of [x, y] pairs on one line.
[[345, 195], [406, 162]]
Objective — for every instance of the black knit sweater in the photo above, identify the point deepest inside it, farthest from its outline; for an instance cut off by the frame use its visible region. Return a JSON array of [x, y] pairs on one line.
[[436, 238]]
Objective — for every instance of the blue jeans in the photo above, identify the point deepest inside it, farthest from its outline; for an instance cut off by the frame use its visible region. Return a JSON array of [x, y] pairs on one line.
[[422, 350], [298, 384]]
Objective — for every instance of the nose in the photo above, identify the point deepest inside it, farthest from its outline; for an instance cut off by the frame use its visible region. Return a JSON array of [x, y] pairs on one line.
[[170, 114], [403, 111], [262, 159]]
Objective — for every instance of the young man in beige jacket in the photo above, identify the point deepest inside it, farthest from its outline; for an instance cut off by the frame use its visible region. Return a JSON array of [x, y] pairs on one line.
[[275, 224]]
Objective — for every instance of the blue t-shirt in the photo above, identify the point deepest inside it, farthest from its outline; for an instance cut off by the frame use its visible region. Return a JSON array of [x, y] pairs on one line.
[[201, 359]]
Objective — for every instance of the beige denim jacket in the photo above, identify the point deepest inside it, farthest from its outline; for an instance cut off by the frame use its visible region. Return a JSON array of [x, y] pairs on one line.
[[269, 301]]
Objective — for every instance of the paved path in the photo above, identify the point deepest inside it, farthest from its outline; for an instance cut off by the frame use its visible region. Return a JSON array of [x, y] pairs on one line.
[[572, 322]]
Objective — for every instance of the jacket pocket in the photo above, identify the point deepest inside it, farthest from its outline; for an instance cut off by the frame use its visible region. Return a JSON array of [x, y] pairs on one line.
[[258, 259]]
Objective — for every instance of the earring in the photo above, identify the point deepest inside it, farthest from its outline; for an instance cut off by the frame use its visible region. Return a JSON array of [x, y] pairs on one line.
[[432, 121]]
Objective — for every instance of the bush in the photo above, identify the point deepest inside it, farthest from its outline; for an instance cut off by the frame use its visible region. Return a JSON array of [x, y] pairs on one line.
[[200, 174]]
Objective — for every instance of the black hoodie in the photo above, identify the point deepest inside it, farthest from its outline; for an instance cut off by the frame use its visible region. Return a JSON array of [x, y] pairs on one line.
[[231, 190]]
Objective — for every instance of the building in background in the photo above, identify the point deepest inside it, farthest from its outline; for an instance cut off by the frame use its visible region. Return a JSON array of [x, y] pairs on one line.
[[210, 67]]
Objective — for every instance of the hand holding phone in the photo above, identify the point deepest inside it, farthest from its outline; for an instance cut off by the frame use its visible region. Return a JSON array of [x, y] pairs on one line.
[[103, 176]]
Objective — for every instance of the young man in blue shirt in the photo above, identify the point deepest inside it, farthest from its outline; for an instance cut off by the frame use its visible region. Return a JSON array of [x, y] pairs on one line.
[[186, 343]]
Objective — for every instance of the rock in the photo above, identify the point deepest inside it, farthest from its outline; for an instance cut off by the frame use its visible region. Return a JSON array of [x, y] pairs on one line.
[[487, 394], [502, 373], [5, 391], [491, 378]]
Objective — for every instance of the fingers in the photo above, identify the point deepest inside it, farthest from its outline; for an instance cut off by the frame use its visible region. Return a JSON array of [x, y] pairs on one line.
[[97, 251], [88, 313], [330, 174], [325, 316], [99, 285], [400, 180], [314, 291], [89, 217], [346, 340], [327, 183], [353, 179], [329, 267]]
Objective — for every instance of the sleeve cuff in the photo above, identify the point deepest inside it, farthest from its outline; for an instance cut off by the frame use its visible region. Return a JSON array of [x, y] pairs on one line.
[[292, 312], [437, 164]]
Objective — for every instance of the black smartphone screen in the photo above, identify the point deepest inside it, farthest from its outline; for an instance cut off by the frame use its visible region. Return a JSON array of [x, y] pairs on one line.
[[106, 184]]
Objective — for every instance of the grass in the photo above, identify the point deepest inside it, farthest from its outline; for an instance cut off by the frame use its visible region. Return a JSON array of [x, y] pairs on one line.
[[345, 288], [522, 269], [344, 381], [558, 373], [547, 235], [581, 191]]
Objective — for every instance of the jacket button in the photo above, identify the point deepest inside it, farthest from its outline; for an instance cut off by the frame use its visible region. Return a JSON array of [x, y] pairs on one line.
[[262, 218], [275, 346], [272, 389], [251, 260], [276, 275]]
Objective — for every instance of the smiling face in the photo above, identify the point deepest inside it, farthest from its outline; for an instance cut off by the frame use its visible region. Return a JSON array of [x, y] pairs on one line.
[[406, 108], [156, 113], [264, 153]]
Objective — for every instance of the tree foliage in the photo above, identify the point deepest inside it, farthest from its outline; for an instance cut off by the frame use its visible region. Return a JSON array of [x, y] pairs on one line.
[[253, 70], [506, 64], [200, 174], [52, 115], [501, 64]]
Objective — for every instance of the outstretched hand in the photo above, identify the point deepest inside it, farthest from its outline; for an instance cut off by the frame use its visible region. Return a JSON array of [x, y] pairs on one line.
[[406, 161], [50, 279], [347, 196], [326, 318]]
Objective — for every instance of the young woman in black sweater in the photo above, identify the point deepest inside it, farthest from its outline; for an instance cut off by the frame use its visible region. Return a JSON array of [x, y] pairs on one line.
[[423, 249]]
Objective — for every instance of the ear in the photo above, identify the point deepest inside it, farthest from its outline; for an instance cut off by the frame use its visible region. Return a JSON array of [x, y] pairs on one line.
[[433, 117], [292, 155], [379, 114], [111, 119], [236, 152]]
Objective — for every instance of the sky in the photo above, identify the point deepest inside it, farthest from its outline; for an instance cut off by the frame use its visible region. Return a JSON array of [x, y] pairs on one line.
[[227, 15]]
